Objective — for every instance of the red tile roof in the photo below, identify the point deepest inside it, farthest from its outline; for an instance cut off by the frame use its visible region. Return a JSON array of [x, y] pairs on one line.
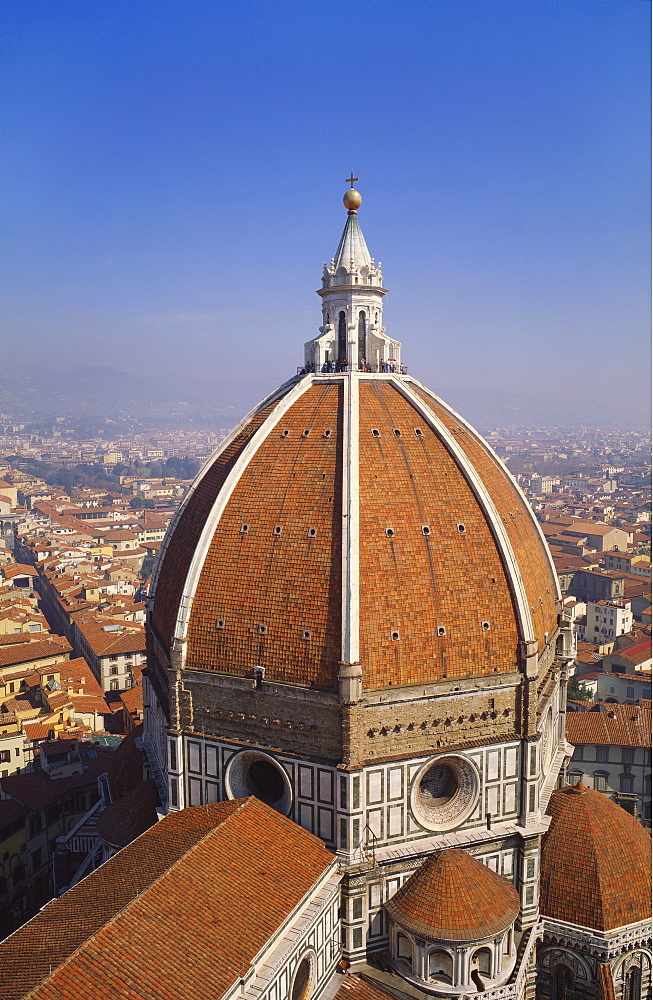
[[34, 789], [54, 645], [613, 725], [454, 897], [596, 862], [285, 583], [215, 880], [129, 816], [361, 988]]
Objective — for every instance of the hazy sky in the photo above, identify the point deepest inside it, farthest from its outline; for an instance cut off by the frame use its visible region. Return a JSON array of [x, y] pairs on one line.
[[174, 174]]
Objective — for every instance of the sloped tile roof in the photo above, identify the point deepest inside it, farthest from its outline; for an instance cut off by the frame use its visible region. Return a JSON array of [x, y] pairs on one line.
[[596, 862], [360, 988], [28, 652], [180, 912], [454, 897], [613, 725], [130, 816]]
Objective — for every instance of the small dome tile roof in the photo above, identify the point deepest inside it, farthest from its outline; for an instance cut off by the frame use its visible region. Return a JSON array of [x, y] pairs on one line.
[[596, 862], [454, 897]]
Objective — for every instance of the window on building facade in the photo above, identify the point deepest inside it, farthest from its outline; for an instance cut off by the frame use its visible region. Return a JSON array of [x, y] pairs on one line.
[[602, 754], [562, 983], [600, 781], [627, 756], [626, 782], [633, 984]]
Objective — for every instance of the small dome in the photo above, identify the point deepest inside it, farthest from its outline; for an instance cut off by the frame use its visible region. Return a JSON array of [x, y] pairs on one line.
[[596, 862], [453, 897]]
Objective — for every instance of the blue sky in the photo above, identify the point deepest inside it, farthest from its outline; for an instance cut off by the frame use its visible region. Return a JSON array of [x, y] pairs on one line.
[[174, 174]]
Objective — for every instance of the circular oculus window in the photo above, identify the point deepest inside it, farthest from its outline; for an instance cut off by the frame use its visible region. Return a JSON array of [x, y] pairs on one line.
[[445, 792], [254, 773]]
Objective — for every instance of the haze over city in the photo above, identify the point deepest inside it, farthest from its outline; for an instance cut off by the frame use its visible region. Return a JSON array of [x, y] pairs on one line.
[[174, 176]]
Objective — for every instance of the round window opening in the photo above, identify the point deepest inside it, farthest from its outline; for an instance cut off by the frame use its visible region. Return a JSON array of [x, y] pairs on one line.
[[265, 782], [437, 786], [254, 773], [445, 792], [301, 986]]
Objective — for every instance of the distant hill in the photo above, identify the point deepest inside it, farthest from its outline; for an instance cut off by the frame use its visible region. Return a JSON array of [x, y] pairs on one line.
[[101, 390]]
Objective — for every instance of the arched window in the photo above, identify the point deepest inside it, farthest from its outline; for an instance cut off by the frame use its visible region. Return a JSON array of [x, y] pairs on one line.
[[441, 966], [633, 984], [562, 983], [482, 961], [405, 950], [361, 335], [342, 337], [301, 986]]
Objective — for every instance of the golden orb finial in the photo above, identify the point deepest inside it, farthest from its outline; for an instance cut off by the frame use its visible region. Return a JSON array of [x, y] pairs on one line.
[[352, 199]]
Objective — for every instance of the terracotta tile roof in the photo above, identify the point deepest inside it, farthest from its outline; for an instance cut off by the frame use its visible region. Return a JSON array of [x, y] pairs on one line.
[[454, 897], [11, 640], [214, 879], [181, 543], [415, 583], [34, 789], [513, 509], [37, 730], [18, 569], [279, 593], [614, 725], [360, 988], [10, 811], [54, 645], [129, 816], [79, 674], [126, 770], [596, 862]]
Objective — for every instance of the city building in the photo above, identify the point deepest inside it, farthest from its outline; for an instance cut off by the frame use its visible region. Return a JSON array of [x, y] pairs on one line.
[[613, 753], [606, 619]]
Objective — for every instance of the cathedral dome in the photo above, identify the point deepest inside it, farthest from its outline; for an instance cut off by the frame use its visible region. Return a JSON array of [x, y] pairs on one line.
[[354, 517], [455, 898], [596, 862]]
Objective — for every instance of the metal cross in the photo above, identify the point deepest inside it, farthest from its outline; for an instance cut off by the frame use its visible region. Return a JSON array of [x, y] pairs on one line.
[[350, 180]]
